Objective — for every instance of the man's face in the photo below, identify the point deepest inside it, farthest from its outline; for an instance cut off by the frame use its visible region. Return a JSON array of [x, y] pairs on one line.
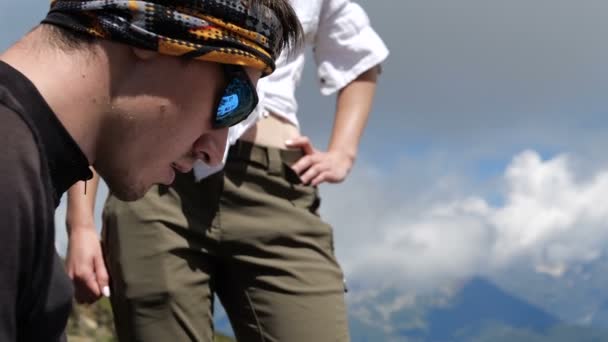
[[162, 121]]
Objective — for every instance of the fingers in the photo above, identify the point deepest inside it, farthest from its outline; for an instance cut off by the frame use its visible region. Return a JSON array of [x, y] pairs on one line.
[[85, 265], [101, 275], [86, 289], [311, 167], [316, 166], [301, 142], [311, 173], [320, 178], [90, 278], [305, 167], [302, 164]]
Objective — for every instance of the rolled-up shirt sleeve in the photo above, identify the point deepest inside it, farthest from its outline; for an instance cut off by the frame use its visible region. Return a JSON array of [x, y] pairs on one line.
[[345, 45]]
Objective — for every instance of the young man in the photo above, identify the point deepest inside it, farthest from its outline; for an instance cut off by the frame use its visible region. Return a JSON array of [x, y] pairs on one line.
[[100, 83], [251, 235]]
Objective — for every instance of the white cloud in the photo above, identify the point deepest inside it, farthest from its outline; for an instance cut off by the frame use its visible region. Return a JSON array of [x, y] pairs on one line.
[[422, 226], [549, 219], [549, 215]]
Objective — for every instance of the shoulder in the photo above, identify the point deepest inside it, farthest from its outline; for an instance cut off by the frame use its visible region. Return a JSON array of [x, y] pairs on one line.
[[18, 143], [20, 163]]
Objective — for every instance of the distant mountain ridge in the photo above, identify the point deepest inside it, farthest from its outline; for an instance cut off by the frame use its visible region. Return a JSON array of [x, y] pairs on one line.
[[526, 307], [478, 311]]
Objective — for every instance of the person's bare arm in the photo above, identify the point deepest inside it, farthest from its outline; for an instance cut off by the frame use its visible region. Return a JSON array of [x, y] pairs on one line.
[[352, 111], [84, 262], [81, 204]]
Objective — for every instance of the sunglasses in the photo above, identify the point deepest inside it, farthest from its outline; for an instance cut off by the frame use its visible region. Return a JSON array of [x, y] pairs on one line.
[[239, 99]]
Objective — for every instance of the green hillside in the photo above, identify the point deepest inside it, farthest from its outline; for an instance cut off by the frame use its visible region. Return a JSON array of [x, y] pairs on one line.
[[93, 323]]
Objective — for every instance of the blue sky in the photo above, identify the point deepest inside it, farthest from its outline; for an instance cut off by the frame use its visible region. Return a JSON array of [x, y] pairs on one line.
[[486, 144]]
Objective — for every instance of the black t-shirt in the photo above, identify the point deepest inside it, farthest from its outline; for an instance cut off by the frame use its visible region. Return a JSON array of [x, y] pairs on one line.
[[39, 161]]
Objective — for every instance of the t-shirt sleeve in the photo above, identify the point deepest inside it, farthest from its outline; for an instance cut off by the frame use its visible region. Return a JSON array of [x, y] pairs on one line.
[[19, 216], [346, 45]]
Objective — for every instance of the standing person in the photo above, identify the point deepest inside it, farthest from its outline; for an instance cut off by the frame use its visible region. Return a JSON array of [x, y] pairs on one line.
[[252, 234], [98, 83]]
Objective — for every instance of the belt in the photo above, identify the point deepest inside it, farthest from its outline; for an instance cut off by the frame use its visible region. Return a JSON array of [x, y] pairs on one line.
[[271, 158]]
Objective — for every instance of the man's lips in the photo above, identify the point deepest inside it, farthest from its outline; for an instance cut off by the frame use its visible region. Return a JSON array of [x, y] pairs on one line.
[[176, 167], [182, 167]]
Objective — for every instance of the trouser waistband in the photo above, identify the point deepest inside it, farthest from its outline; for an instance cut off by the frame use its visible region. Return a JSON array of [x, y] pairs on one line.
[[271, 158]]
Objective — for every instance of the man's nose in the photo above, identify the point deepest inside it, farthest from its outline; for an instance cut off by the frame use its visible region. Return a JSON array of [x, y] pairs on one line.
[[210, 146]]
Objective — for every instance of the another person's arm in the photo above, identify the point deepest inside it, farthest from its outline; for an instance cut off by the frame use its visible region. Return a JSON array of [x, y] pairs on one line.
[[352, 111], [348, 53], [84, 261]]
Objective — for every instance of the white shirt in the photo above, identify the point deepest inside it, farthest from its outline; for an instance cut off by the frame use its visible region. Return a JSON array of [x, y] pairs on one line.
[[344, 46]]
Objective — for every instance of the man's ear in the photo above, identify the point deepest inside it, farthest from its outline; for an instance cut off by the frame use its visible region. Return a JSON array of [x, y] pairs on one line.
[[144, 54]]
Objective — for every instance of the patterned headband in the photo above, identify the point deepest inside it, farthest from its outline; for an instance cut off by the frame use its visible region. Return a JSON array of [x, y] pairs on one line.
[[223, 31]]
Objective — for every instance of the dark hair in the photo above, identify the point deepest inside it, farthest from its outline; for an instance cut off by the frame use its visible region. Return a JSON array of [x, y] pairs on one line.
[[66, 39], [291, 36]]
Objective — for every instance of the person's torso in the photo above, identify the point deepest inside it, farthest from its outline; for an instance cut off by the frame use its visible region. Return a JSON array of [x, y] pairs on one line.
[[278, 105], [280, 87], [44, 291]]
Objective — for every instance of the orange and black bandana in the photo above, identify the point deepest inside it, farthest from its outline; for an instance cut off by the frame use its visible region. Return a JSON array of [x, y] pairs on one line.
[[222, 31]]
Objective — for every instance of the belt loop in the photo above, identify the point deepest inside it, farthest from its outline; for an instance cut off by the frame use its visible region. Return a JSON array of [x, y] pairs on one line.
[[275, 163], [233, 150]]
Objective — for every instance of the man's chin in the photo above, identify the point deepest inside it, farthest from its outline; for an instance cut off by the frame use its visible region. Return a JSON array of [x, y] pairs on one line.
[[128, 197], [128, 193]]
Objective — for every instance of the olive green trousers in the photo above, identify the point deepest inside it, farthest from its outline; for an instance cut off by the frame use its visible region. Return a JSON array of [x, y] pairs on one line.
[[250, 235]]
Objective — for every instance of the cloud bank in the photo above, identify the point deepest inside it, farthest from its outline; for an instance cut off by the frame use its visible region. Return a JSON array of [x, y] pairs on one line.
[[548, 219]]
